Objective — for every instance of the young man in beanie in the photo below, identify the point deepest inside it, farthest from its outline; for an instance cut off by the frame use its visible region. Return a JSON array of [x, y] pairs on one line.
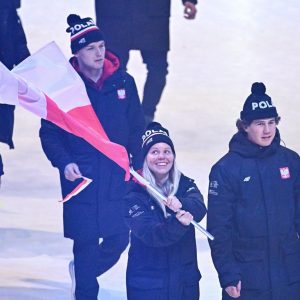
[[254, 208], [142, 25], [97, 211]]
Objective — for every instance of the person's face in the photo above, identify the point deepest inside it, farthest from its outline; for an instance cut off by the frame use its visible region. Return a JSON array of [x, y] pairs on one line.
[[261, 132], [91, 57], [160, 159]]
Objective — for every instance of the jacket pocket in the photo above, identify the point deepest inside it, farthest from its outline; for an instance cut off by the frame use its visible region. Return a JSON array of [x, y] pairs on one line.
[[253, 268], [291, 259], [145, 282]]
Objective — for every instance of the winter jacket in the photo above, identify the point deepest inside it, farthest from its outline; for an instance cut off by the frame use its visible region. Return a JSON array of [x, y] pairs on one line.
[[254, 214], [13, 49], [135, 24], [1, 166], [163, 251], [97, 211]]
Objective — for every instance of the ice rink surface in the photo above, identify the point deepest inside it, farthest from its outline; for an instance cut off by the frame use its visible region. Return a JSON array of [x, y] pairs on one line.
[[213, 62]]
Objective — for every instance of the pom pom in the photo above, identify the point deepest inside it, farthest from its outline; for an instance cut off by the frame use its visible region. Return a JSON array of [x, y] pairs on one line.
[[153, 125], [156, 126], [258, 88], [73, 19]]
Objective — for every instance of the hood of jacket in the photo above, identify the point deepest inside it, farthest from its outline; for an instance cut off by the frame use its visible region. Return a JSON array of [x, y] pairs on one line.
[[241, 145]]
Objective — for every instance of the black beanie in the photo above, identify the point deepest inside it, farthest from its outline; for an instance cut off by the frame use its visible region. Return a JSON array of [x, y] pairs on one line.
[[258, 105], [83, 32], [154, 134]]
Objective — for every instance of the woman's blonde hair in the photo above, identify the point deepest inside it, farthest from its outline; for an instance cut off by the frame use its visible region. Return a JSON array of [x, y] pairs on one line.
[[169, 188]]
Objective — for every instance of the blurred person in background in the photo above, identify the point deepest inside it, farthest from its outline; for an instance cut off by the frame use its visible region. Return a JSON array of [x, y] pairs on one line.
[[144, 26], [13, 49]]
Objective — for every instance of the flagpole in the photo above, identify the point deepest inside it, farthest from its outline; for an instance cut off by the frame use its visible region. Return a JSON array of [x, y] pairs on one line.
[[143, 181]]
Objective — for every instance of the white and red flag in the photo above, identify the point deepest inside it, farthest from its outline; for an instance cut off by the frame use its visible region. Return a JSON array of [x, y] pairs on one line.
[[47, 85], [80, 187]]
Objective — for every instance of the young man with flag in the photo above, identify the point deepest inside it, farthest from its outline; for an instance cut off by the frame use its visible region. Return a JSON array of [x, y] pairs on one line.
[[97, 211]]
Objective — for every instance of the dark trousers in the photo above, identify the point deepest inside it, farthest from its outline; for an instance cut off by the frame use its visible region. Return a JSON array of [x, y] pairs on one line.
[[7, 124], [92, 259], [157, 67], [188, 293]]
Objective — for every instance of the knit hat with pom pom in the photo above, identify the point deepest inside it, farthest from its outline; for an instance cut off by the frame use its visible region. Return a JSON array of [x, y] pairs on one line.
[[258, 105], [154, 134], [83, 32]]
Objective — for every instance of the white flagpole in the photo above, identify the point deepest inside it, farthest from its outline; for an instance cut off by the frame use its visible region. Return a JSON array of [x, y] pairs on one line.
[[142, 180]]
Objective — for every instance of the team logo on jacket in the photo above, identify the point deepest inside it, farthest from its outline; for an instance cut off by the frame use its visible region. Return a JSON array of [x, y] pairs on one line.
[[190, 189], [285, 173], [121, 94], [213, 186]]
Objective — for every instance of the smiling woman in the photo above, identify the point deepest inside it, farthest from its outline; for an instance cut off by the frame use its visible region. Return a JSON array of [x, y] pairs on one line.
[[162, 260], [159, 160]]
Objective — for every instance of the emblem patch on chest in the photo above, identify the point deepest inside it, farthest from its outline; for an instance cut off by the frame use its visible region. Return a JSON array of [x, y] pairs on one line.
[[285, 173], [121, 94]]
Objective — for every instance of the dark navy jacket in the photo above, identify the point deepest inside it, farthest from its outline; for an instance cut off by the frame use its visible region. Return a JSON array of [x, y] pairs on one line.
[[135, 24], [163, 252], [98, 210], [254, 214]]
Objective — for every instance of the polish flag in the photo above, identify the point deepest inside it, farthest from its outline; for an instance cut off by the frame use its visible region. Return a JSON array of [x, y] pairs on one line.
[[47, 85], [80, 187]]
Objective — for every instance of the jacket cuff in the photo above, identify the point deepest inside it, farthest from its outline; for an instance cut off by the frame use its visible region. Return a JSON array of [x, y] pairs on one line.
[[232, 281]]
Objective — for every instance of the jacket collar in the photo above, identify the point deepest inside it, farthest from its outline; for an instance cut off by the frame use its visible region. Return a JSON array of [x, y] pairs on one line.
[[241, 145]]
